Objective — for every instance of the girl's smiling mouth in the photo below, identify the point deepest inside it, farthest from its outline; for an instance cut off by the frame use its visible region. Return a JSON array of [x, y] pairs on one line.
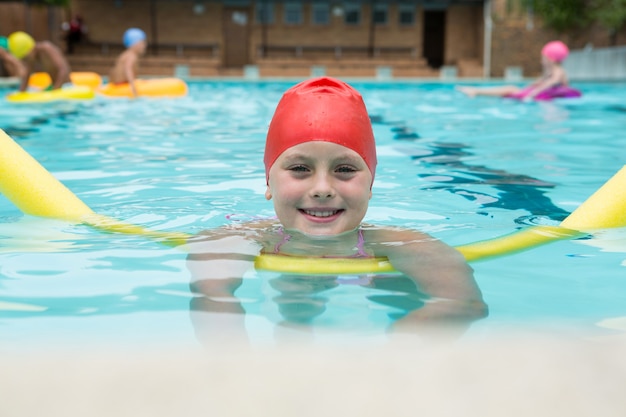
[[325, 214]]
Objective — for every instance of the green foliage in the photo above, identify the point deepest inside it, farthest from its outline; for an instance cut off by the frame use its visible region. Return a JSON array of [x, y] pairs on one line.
[[611, 14], [562, 15]]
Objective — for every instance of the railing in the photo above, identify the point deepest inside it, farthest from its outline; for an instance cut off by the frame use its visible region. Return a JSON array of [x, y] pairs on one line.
[[597, 64], [299, 51], [178, 49]]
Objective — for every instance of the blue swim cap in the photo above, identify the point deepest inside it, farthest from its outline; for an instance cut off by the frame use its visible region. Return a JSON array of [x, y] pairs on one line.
[[132, 36]]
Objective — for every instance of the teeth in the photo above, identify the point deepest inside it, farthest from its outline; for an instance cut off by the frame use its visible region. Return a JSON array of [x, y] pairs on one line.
[[325, 213]]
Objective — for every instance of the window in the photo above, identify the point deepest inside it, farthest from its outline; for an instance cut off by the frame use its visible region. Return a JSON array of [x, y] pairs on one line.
[[320, 13], [293, 13], [352, 14], [406, 15], [264, 12], [379, 15]]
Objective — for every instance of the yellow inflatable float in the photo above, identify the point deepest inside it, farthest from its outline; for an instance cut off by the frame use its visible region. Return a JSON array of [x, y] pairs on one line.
[[46, 96], [153, 87], [36, 192]]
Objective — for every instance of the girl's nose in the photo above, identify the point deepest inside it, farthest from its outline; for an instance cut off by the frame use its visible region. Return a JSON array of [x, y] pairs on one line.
[[322, 187]]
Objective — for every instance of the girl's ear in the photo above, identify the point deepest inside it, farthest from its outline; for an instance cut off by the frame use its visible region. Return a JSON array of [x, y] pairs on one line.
[[268, 193]]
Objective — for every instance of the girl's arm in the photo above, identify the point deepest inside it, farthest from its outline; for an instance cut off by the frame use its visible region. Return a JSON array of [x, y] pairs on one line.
[[441, 272], [58, 61], [217, 264], [24, 75], [556, 77], [129, 71]]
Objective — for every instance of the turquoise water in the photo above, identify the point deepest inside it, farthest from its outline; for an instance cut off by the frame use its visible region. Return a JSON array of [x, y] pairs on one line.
[[458, 168]]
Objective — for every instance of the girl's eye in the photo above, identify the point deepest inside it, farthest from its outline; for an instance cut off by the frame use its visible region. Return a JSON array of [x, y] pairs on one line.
[[298, 168], [345, 169]]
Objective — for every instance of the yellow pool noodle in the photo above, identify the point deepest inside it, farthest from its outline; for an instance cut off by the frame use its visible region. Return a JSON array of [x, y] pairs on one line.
[[36, 192], [606, 208], [516, 242], [28, 185], [304, 265]]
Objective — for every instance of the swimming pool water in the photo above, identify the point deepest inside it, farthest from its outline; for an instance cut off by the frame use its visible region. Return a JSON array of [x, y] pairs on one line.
[[461, 169]]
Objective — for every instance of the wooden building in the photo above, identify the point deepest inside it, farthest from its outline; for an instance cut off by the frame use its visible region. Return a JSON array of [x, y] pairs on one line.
[[274, 38], [407, 38]]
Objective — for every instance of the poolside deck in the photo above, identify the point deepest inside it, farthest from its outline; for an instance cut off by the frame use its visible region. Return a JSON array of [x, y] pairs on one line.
[[514, 377]]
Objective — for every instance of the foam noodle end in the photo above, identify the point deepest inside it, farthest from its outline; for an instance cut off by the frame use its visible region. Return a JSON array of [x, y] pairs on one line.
[[606, 208], [32, 189]]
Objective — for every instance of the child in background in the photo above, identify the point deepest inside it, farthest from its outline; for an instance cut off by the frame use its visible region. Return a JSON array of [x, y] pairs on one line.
[[320, 162], [554, 77], [127, 64], [43, 54], [75, 32], [12, 67]]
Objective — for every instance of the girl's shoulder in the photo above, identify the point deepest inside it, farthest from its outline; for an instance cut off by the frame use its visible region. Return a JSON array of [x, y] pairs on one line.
[[389, 241], [393, 236]]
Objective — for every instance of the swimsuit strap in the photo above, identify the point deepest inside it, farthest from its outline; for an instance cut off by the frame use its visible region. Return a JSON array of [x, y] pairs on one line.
[[360, 246], [286, 237]]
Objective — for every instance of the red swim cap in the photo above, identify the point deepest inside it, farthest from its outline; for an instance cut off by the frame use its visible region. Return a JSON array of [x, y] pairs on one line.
[[323, 109]]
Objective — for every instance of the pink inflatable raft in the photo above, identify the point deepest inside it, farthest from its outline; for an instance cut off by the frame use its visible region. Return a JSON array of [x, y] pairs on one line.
[[561, 91]]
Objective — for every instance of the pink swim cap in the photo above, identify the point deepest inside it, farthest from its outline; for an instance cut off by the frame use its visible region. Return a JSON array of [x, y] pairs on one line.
[[323, 109], [555, 51]]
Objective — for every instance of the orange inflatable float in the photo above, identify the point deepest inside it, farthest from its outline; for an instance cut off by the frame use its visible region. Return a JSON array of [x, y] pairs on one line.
[[42, 80], [152, 87]]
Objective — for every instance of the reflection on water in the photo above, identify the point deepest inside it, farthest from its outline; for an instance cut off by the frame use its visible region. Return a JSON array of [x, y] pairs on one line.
[[272, 308]]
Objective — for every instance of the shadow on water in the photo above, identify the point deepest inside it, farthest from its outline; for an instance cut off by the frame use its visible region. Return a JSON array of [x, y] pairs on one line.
[[31, 126], [514, 191]]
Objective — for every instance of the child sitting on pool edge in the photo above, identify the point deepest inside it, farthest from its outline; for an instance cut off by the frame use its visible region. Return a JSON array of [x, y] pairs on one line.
[[127, 64], [553, 79], [320, 162], [43, 53]]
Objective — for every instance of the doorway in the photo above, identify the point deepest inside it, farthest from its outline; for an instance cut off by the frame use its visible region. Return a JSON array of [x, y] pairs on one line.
[[434, 37], [236, 24]]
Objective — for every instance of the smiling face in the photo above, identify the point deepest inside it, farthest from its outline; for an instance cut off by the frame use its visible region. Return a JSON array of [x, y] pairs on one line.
[[320, 188]]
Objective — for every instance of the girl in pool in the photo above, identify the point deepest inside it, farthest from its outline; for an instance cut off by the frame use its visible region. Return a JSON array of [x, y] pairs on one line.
[[320, 161], [553, 82]]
